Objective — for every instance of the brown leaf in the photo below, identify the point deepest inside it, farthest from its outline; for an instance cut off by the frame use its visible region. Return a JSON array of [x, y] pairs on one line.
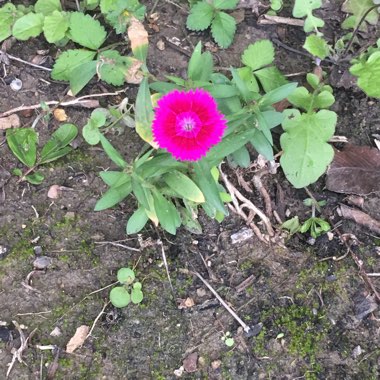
[[185, 303], [134, 75], [54, 192], [137, 34], [12, 121], [60, 114], [355, 170], [78, 339]]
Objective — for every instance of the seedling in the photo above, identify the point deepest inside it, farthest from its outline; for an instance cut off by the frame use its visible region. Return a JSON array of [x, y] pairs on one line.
[[129, 291], [228, 340], [23, 144]]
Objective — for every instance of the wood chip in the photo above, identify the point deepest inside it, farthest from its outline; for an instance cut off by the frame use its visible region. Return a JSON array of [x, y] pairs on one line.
[[78, 339], [12, 121]]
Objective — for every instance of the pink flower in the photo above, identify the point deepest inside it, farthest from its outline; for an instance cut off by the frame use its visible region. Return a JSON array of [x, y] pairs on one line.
[[188, 124]]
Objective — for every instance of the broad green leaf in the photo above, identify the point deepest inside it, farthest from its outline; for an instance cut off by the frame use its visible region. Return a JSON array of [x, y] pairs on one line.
[[368, 73], [55, 26], [358, 8], [305, 8], [81, 75], [111, 152], [246, 74], [141, 192], [144, 113], [200, 17], [258, 55], [137, 221], [203, 178], [317, 46], [166, 212], [7, 18], [313, 80], [46, 7], [302, 98], [23, 144], [225, 4], [57, 146], [270, 78], [262, 145], [159, 165], [242, 87], [120, 297], [114, 178], [125, 275], [113, 196], [184, 186], [306, 151], [86, 31], [69, 60], [28, 26], [312, 23], [113, 68], [241, 157], [136, 296], [278, 94], [35, 179], [200, 65], [91, 131], [223, 28]]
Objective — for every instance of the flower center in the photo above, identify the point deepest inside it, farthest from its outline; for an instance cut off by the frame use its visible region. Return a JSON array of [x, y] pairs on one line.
[[188, 124]]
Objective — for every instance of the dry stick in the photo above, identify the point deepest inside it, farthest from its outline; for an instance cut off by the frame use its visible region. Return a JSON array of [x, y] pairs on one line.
[[97, 319], [159, 242], [13, 58], [117, 245], [80, 100], [237, 318], [263, 191], [268, 20], [235, 193]]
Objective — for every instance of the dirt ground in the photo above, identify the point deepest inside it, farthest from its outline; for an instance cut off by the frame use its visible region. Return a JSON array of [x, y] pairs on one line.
[[312, 317]]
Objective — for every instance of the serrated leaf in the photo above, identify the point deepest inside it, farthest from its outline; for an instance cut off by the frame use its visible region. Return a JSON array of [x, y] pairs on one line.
[[184, 186], [200, 17], [113, 68], [81, 75], [28, 26], [119, 296], [55, 26], [23, 144], [137, 221], [312, 23], [317, 46], [225, 4], [303, 7], [57, 146], [91, 131], [7, 17], [306, 151], [223, 28], [86, 31], [258, 55], [368, 73], [46, 7], [68, 61], [270, 78]]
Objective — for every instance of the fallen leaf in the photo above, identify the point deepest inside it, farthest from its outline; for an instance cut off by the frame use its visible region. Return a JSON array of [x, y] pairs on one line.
[[185, 303], [60, 114], [134, 75], [359, 217], [54, 192], [78, 339], [12, 121], [355, 170], [137, 35], [190, 363]]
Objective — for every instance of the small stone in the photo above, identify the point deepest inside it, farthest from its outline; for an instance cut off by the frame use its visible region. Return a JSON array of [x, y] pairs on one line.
[[37, 250], [16, 84], [4, 251], [201, 292], [179, 372], [190, 362], [357, 351], [56, 331], [241, 236], [42, 262]]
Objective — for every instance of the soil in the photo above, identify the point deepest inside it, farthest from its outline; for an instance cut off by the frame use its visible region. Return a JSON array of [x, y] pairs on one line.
[[312, 317]]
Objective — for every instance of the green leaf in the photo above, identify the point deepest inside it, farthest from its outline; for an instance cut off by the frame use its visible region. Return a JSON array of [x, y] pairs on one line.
[[358, 8], [302, 98], [137, 296], [23, 144], [113, 68], [28, 26], [81, 75], [120, 297], [262, 145], [258, 55], [306, 151], [125, 276], [114, 195], [278, 94], [86, 31], [55, 26], [167, 213], [57, 146], [144, 112], [91, 131], [141, 192], [200, 65], [246, 74], [203, 178], [317, 46], [46, 7], [223, 28], [159, 165], [292, 225], [241, 157], [313, 80], [7, 18], [35, 178], [112, 153], [137, 221], [200, 17], [68, 61], [368, 73], [189, 220], [225, 4], [114, 178], [304, 8], [270, 78], [184, 186]]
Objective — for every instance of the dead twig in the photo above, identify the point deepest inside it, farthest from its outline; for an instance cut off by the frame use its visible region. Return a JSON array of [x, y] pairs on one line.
[[117, 245], [269, 20], [97, 319], [13, 58]]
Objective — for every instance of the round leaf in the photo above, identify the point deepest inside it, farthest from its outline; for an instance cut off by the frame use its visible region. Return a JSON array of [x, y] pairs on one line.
[[119, 296], [137, 296], [125, 275]]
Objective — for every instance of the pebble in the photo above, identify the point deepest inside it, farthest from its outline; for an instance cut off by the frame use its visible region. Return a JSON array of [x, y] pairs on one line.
[[42, 262], [37, 250]]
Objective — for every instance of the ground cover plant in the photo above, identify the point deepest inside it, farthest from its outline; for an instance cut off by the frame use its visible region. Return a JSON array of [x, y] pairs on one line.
[[229, 150]]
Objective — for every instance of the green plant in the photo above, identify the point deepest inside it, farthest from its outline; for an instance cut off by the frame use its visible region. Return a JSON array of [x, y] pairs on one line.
[[228, 340], [305, 8], [129, 291], [23, 144], [206, 13], [275, 6]]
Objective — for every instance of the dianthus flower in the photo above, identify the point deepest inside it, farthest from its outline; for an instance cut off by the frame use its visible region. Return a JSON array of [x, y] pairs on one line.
[[188, 124]]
